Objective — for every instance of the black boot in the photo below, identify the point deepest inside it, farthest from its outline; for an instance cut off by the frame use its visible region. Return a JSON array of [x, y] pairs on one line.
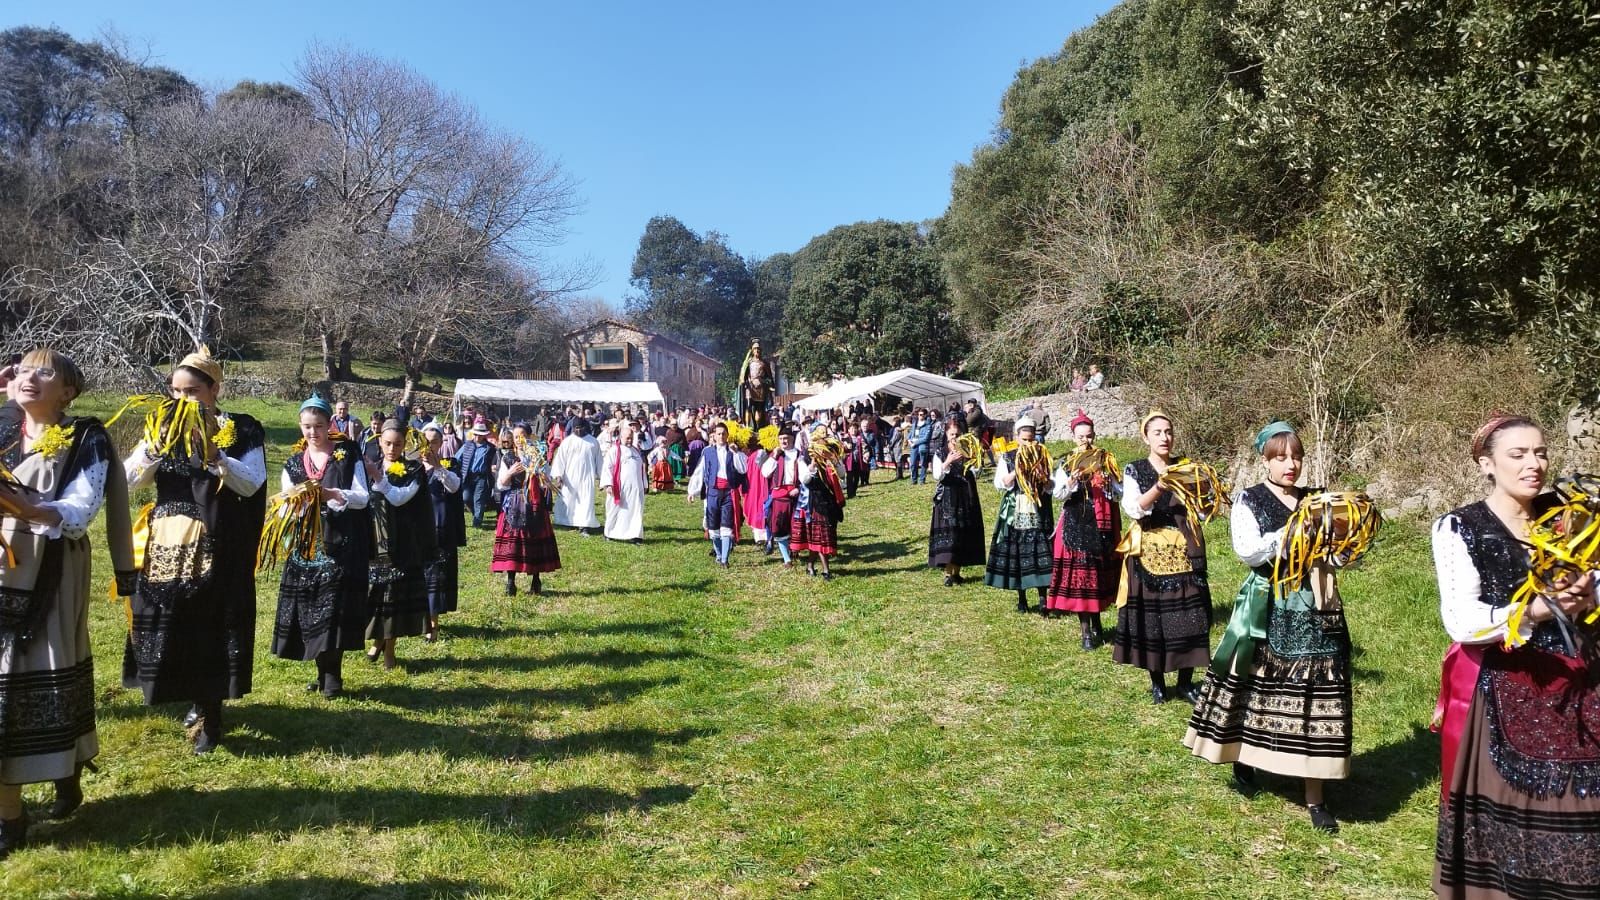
[[1042, 610], [1088, 638], [69, 795], [1322, 820], [330, 673], [207, 732], [538, 586], [1187, 689], [1022, 601], [511, 584], [192, 716], [13, 835], [1158, 687]]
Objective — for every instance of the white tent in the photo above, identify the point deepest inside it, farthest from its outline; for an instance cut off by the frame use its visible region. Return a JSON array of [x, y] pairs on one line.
[[919, 387], [513, 392]]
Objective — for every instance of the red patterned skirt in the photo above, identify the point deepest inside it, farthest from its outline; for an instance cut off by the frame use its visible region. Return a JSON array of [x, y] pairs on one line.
[[530, 544], [811, 531]]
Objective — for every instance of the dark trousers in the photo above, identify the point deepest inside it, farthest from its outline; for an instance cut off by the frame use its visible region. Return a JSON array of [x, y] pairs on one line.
[[477, 491], [854, 478]]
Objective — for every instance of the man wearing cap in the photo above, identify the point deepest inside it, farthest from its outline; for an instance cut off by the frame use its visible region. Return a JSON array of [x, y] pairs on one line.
[[475, 462]]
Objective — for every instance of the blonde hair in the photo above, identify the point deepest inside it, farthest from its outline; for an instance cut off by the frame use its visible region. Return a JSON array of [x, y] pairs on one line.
[[71, 376]]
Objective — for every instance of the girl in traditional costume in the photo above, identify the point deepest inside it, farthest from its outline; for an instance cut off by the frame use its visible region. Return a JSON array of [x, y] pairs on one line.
[[404, 543], [1019, 554], [1164, 601], [819, 507], [1084, 572], [322, 601], [443, 575], [194, 607], [661, 479], [1520, 705], [524, 537], [956, 534], [59, 471], [1277, 694]]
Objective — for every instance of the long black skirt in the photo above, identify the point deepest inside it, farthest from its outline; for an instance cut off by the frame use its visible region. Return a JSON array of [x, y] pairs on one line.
[[443, 580], [321, 607], [956, 535], [397, 602]]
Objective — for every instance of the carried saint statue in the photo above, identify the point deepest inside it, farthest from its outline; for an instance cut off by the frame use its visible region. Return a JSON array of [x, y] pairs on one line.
[[758, 379]]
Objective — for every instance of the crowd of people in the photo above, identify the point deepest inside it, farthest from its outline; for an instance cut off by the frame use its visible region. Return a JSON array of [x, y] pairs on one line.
[[391, 504]]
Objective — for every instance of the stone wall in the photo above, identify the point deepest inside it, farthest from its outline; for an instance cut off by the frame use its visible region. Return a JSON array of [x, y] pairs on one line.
[[1113, 416]]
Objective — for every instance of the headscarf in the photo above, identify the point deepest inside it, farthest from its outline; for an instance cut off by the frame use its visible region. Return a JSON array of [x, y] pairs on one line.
[[1484, 436], [315, 402], [1270, 431], [1082, 418], [201, 361], [1150, 417]]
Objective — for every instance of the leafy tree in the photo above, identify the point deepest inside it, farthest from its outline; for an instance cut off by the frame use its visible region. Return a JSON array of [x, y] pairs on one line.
[[692, 287], [869, 297]]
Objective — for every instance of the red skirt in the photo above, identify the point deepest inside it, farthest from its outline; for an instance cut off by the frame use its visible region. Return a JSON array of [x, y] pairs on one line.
[[661, 476], [531, 548], [812, 532]]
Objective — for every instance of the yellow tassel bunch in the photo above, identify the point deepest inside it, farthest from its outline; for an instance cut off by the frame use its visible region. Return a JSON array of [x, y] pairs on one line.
[[1090, 461], [1566, 543], [172, 424], [768, 437], [1033, 469], [1334, 527], [971, 450], [1197, 484], [293, 527], [738, 435]]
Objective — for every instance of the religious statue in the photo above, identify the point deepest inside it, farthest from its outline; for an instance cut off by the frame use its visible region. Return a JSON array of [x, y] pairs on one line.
[[758, 380]]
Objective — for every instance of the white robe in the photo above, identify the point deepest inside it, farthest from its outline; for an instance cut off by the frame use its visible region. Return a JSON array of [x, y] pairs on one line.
[[577, 465], [624, 520]]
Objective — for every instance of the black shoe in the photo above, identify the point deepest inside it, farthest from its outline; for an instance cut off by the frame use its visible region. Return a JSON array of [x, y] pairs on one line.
[[192, 716], [1189, 692], [638, 541], [1022, 604], [313, 687], [1158, 694], [959, 579], [511, 589], [1244, 775], [827, 575], [13, 835], [538, 586], [1088, 642], [69, 795], [207, 733], [1322, 820], [768, 550], [811, 569], [949, 581]]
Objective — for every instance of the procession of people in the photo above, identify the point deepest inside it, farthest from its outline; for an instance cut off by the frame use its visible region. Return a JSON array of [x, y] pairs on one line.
[[368, 525]]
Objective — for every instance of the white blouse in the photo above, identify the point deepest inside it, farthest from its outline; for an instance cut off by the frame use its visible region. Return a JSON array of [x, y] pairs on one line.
[[1467, 619], [1131, 495], [77, 505], [1251, 546], [397, 495], [244, 476], [356, 496]]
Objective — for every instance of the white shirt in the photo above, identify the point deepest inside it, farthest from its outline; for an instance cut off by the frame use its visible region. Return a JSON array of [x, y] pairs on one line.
[[1467, 619], [1251, 546]]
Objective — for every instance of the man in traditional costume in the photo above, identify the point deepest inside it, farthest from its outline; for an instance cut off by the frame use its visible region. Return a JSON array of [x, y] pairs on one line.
[[720, 476], [781, 473]]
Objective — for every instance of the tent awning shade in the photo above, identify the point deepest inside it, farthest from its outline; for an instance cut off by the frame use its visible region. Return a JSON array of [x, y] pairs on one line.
[[910, 384], [514, 391]]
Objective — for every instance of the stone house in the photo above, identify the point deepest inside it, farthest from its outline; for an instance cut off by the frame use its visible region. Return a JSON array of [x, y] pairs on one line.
[[611, 350]]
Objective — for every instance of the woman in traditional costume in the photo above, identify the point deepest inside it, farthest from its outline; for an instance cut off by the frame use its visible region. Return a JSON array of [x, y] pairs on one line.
[[524, 537], [1019, 554], [1520, 707], [1164, 602], [622, 475], [194, 607], [443, 575], [956, 534], [1083, 577], [322, 601], [1277, 695], [404, 544], [819, 508], [60, 471]]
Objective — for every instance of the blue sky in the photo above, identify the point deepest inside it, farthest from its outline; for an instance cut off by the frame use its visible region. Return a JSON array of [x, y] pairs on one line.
[[770, 123]]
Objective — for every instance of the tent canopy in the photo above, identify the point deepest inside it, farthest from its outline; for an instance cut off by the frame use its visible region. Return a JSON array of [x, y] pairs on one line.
[[910, 384], [514, 392]]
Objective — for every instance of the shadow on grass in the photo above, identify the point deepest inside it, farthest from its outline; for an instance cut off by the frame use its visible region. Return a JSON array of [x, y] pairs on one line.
[[668, 627], [876, 551], [585, 696], [606, 659], [184, 816], [1381, 780], [699, 584], [322, 888], [286, 732]]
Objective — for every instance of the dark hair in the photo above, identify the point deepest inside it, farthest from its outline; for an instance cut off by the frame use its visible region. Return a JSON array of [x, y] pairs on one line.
[[1483, 441], [210, 382], [1286, 443]]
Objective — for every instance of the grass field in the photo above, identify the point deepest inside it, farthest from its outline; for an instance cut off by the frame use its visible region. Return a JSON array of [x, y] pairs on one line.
[[654, 726]]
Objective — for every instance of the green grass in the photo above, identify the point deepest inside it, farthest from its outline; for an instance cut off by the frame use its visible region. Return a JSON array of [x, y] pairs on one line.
[[654, 726]]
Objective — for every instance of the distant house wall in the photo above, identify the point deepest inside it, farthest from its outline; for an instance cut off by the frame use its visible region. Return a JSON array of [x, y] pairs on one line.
[[684, 375]]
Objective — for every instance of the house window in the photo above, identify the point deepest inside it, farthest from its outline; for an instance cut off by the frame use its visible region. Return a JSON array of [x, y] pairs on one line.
[[606, 357]]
